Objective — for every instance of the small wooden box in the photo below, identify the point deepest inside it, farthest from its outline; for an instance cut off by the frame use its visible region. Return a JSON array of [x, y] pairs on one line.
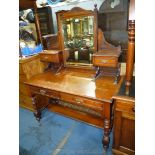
[[107, 58], [105, 61], [54, 56]]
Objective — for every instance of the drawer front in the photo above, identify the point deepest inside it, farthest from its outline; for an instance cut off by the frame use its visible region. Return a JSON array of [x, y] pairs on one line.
[[105, 61], [45, 92], [92, 104], [49, 58], [125, 106]]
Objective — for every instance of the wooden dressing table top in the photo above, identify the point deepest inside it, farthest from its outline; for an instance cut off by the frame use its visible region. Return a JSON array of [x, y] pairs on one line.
[[77, 82]]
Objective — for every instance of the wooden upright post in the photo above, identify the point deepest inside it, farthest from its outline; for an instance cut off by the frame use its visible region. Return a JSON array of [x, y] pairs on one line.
[[95, 28], [39, 37], [131, 47]]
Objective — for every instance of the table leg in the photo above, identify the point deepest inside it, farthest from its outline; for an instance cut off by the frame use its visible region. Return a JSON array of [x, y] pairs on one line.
[[37, 112], [106, 138]]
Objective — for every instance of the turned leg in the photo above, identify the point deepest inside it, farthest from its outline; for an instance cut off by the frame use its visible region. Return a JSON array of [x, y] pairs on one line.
[[37, 112], [106, 138]]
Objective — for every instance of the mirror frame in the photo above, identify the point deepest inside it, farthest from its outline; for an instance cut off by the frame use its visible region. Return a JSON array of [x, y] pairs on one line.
[[74, 13]]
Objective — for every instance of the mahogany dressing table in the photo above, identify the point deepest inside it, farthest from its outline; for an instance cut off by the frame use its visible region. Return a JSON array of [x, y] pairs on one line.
[[73, 92]]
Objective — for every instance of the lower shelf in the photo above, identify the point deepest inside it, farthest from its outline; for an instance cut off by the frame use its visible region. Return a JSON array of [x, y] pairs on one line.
[[77, 115]]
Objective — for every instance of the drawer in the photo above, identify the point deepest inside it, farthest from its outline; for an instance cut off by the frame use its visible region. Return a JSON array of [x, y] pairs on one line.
[[126, 106], [45, 92], [89, 103], [50, 57], [105, 61]]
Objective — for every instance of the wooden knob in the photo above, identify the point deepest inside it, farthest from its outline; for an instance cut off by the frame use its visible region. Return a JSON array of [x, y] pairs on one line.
[[78, 100], [104, 61], [42, 92]]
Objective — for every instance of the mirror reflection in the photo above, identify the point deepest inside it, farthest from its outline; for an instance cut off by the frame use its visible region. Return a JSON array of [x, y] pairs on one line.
[[78, 39]]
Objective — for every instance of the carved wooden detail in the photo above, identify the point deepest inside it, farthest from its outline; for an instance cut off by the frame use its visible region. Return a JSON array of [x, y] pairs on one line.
[[80, 108], [37, 112], [131, 47], [77, 11], [131, 32], [106, 138]]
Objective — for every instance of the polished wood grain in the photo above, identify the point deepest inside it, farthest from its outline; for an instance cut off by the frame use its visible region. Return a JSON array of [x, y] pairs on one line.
[[106, 58], [105, 61], [59, 25], [24, 89], [53, 59], [124, 125], [28, 67], [77, 82], [101, 41], [124, 121], [75, 91], [51, 42], [54, 56], [26, 4], [130, 55], [25, 101], [32, 67], [95, 28], [78, 100], [131, 46]]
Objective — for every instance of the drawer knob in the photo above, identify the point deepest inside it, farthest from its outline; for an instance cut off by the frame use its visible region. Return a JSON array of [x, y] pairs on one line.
[[104, 61], [42, 92], [78, 100], [133, 109]]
